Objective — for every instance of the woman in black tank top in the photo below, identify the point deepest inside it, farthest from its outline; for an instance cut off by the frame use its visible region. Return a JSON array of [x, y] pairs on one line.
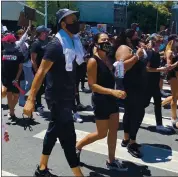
[[172, 63], [102, 82]]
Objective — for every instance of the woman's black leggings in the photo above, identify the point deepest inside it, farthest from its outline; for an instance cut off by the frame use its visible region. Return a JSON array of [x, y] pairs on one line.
[[134, 113]]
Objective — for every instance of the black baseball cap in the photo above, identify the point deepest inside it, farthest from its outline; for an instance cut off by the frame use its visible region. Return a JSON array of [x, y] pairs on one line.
[[60, 14], [42, 28]]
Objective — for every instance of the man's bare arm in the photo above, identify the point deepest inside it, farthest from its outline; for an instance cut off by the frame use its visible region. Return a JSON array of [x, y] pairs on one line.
[[39, 77], [33, 60]]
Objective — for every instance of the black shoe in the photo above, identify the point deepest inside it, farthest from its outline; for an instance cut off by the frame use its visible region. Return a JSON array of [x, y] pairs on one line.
[[78, 152], [125, 143], [164, 94], [81, 107], [133, 149], [116, 165], [12, 117], [45, 173]]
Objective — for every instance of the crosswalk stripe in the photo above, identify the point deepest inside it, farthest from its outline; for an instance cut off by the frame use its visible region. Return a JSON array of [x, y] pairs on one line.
[[5, 173], [149, 119], [153, 156]]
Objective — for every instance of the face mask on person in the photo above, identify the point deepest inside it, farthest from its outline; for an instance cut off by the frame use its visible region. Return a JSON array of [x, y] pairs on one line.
[[137, 29], [105, 46], [73, 28]]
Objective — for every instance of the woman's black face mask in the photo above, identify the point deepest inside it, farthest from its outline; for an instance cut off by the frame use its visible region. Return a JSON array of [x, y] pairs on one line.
[[105, 46]]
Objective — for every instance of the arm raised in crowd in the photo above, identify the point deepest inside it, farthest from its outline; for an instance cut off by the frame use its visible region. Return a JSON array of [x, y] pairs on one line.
[[23, 38]]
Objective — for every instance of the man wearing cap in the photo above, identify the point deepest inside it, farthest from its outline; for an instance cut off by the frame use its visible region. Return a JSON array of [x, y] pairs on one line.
[[59, 66], [37, 52], [12, 64]]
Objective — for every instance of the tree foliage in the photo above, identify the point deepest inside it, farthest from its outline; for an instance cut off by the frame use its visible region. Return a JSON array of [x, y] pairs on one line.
[[53, 7], [145, 13]]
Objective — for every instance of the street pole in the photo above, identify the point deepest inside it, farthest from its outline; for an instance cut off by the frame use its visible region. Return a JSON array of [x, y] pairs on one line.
[[157, 21], [46, 13]]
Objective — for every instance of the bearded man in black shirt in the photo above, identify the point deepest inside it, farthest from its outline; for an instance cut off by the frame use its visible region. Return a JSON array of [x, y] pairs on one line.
[[59, 67]]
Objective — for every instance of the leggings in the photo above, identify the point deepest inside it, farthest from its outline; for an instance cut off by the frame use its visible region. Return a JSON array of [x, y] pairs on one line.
[[154, 91], [61, 126], [134, 113]]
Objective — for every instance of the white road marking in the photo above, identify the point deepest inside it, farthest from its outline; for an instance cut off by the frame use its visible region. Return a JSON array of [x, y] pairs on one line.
[[149, 119], [5, 173], [153, 156]]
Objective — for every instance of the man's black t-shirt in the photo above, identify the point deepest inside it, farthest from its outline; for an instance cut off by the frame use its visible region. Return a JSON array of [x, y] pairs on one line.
[[39, 47], [10, 64], [60, 84]]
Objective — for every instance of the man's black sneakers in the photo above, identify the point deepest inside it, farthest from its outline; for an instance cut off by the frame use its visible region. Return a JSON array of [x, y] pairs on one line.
[[44, 173], [133, 149]]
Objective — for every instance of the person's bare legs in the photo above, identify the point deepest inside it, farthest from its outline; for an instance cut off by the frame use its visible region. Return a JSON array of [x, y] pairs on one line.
[[102, 130], [174, 90], [12, 99], [112, 136]]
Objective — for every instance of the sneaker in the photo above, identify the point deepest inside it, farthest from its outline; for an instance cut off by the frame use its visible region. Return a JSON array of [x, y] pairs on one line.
[[81, 107], [116, 165], [85, 90], [125, 143], [78, 152], [45, 173], [175, 125], [40, 111], [12, 118], [77, 118], [161, 128], [133, 149], [164, 94]]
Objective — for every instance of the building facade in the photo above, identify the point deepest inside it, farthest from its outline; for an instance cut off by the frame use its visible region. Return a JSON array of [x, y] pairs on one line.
[[10, 11]]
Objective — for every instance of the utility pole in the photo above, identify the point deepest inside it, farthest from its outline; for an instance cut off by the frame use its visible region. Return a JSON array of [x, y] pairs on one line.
[[157, 20], [46, 13]]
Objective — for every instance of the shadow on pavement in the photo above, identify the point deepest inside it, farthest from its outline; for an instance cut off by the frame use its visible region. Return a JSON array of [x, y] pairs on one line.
[[26, 123], [133, 170], [153, 129], [155, 153]]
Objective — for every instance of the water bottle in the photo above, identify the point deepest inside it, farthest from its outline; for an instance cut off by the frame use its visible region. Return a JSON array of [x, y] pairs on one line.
[[119, 69]]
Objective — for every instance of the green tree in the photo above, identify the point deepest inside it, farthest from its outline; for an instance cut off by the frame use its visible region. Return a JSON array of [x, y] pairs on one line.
[[53, 6], [145, 13]]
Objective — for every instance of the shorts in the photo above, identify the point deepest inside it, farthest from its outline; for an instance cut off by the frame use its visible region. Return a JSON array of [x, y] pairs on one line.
[[171, 74], [104, 106], [10, 87]]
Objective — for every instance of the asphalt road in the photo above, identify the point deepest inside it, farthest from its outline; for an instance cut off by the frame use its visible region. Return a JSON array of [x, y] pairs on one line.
[[22, 153]]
